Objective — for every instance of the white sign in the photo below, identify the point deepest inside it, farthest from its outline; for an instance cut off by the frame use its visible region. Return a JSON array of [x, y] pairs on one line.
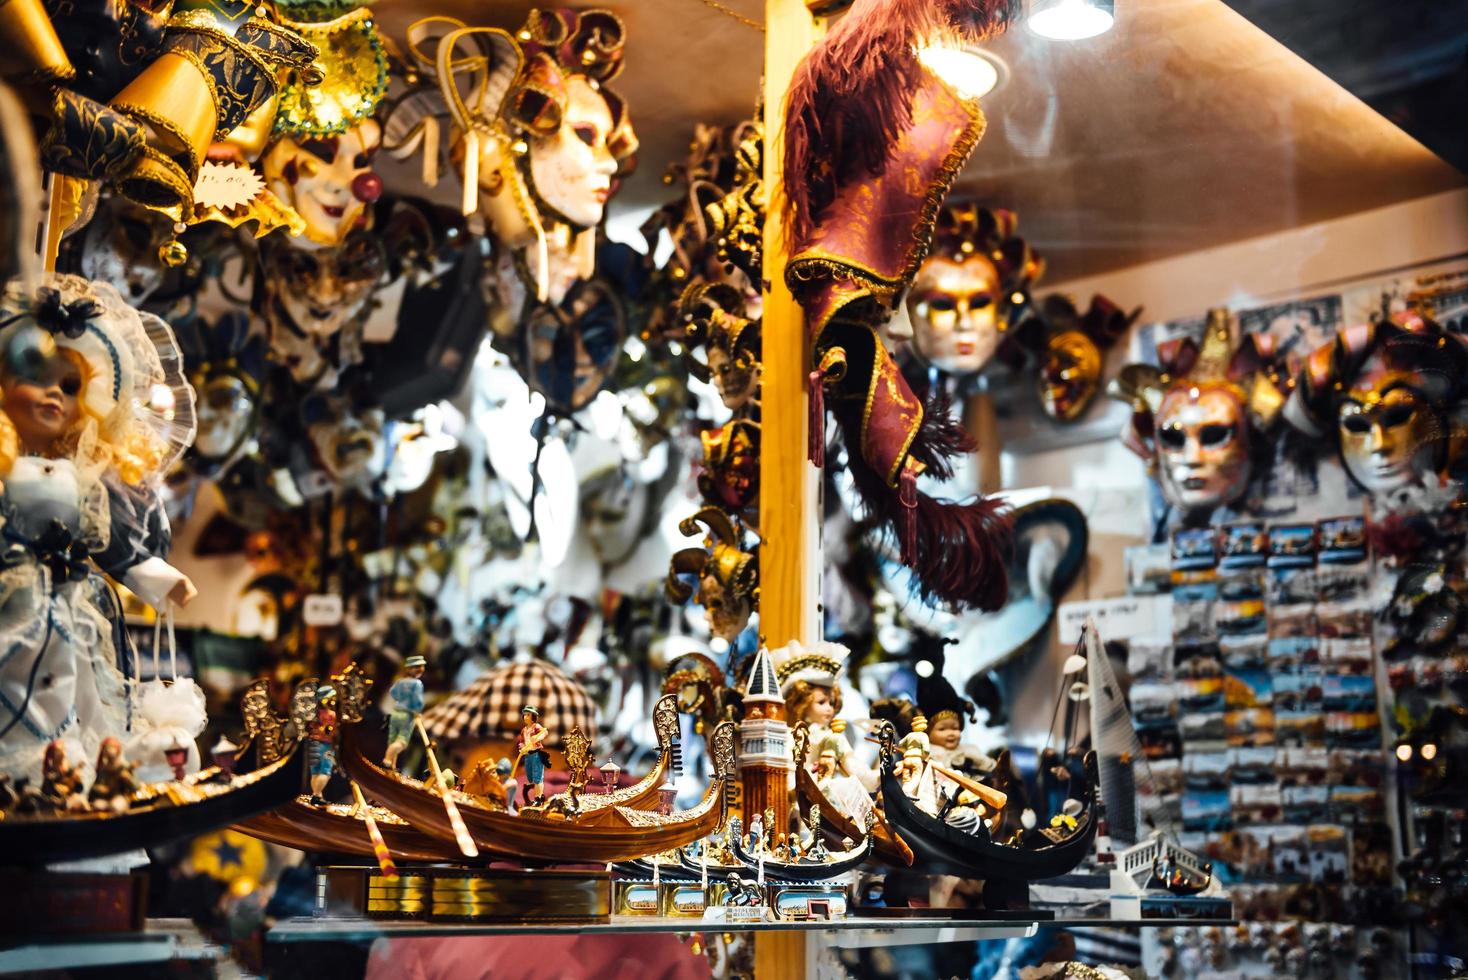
[[322, 609], [1127, 618]]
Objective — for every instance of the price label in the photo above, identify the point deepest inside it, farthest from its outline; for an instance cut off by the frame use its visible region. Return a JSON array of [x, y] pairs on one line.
[[1133, 617], [322, 609]]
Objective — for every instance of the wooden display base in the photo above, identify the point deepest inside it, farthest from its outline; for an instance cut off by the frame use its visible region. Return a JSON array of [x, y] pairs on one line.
[[465, 895], [42, 904]]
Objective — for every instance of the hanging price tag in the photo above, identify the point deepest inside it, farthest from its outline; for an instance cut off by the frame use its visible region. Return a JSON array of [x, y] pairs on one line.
[[322, 609]]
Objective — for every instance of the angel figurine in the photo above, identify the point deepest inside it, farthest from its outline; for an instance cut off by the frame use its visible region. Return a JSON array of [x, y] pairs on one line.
[[95, 408]]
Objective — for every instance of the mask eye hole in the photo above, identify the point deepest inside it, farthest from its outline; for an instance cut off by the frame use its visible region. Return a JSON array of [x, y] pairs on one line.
[[942, 304], [1356, 423], [586, 134], [323, 149], [1395, 415], [980, 302], [1173, 437], [1215, 435]]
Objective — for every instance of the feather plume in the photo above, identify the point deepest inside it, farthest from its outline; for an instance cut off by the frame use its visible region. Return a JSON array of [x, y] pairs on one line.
[[960, 551], [851, 97]]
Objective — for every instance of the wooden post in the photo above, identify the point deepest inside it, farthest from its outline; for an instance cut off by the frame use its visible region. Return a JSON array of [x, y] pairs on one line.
[[789, 500], [983, 424]]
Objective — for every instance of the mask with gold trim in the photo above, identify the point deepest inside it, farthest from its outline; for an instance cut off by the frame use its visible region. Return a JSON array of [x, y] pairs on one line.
[[726, 577], [1196, 418], [225, 365], [1071, 359], [1387, 393], [730, 341], [540, 137], [312, 298], [964, 297]]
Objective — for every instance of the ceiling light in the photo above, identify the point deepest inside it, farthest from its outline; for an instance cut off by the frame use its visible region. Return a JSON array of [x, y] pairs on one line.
[[1071, 20], [971, 72]]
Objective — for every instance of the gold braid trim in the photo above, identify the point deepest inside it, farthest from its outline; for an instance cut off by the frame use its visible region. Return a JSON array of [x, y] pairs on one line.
[[824, 663]]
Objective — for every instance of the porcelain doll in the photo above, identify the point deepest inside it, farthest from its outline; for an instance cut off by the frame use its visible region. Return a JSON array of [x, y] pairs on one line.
[[808, 682], [96, 401]]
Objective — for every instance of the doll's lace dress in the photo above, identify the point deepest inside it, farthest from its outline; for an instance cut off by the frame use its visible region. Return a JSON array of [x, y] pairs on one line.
[[56, 641]]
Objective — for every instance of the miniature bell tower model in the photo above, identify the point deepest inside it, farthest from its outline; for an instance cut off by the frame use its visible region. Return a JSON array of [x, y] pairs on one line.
[[764, 746]]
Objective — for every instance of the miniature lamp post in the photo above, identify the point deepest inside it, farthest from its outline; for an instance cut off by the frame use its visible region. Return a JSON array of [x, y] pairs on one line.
[[666, 793], [609, 773], [177, 756]]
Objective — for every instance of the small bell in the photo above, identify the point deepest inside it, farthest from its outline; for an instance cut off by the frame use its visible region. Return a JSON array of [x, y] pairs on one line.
[[173, 253]]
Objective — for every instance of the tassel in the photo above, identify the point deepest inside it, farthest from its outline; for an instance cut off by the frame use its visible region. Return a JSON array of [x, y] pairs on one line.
[[907, 522], [470, 203], [816, 442]]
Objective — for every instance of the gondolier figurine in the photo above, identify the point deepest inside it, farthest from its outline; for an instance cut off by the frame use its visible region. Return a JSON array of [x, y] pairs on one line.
[[320, 748], [528, 747], [407, 694]]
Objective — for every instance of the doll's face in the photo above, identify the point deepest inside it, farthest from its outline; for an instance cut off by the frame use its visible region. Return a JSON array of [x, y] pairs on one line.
[[1070, 375], [945, 733], [955, 313], [1202, 447], [1388, 437], [322, 291], [735, 386], [822, 707], [727, 613], [572, 169], [327, 180], [45, 406], [224, 411]]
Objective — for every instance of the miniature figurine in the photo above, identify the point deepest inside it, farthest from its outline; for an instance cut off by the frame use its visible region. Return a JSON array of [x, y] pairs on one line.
[[225, 753], [528, 746], [114, 782], [487, 779], [61, 782], [320, 741], [808, 682], [756, 833], [741, 892], [407, 695]]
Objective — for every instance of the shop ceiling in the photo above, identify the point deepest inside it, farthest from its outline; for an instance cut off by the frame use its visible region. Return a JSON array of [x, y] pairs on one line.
[[1185, 127]]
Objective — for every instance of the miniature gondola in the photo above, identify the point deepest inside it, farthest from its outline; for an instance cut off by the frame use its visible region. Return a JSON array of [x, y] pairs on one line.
[[942, 849], [159, 813], [337, 828], [599, 809], [818, 867], [546, 835], [888, 848]]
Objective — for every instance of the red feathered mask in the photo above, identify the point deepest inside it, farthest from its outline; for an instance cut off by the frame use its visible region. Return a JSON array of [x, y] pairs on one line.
[[873, 141]]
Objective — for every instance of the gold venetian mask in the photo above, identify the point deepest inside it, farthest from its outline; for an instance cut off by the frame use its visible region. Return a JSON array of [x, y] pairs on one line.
[[956, 317], [1202, 447], [1388, 434], [1070, 376]]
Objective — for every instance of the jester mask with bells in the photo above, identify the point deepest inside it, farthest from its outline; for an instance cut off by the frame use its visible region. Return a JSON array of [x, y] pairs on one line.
[[1391, 395], [320, 163], [963, 298], [726, 576], [875, 138], [731, 344], [540, 138], [1196, 417]]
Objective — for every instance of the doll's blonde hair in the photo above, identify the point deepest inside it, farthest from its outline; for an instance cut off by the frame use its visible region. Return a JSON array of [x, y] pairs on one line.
[[802, 693], [134, 452]]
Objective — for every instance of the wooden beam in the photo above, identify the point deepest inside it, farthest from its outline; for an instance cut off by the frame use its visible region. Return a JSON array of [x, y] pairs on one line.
[[789, 504]]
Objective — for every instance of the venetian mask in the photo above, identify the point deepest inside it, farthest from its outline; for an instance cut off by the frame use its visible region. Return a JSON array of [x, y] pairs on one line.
[[1202, 446], [328, 180], [226, 415], [572, 348], [348, 441], [726, 611], [571, 170], [119, 246], [1070, 375], [955, 313], [727, 577], [1389, 435], [321, 291]]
